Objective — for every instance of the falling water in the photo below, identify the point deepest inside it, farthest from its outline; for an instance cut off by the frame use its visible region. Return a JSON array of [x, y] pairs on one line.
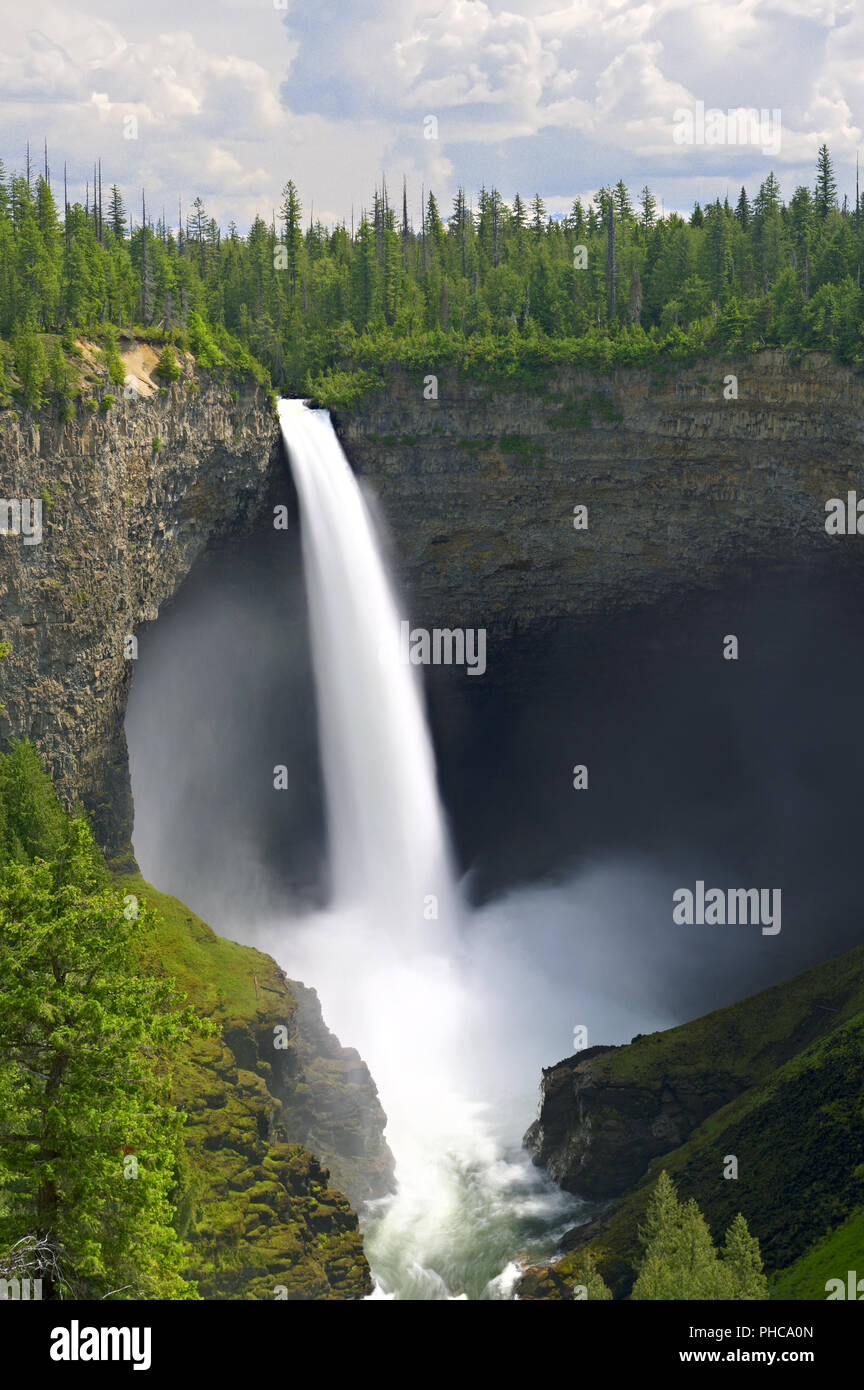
[[387, 957]]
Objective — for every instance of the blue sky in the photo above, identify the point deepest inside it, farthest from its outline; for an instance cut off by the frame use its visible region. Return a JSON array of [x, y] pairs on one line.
[[233, 97]]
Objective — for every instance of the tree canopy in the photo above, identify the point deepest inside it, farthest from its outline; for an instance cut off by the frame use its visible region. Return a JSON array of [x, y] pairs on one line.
[[679, 1259], [89, 1139], [609, 283]]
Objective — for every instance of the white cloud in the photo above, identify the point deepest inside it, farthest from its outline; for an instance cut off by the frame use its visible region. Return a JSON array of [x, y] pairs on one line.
[[525, 91]]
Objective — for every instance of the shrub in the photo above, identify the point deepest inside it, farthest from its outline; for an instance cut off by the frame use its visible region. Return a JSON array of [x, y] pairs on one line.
[[29, 358], [168, 368]]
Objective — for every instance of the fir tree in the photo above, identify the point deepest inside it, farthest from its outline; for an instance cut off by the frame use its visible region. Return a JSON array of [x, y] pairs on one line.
[[825, 193]]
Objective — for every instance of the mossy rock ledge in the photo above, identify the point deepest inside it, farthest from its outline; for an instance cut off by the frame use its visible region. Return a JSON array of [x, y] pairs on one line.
[[275, 1108], [776, 1080]]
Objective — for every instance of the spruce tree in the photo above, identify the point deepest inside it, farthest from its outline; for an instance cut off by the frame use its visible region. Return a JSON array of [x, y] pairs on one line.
[[825, 193]]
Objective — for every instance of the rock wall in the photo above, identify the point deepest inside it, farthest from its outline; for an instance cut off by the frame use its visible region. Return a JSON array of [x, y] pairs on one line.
[[478, 487], [771, 1080], [682, 486], [607, 1112], [130, 498]]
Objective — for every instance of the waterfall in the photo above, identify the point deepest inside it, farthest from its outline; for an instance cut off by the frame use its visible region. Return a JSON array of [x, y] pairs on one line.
[[388, 843], [387, 955]]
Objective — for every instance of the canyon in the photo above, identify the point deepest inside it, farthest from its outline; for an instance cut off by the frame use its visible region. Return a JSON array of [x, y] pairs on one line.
[[684, 490]]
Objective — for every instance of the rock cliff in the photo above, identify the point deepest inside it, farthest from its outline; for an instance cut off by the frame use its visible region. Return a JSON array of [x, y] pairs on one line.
[[773, 1082], [130, 499], [682, 486]]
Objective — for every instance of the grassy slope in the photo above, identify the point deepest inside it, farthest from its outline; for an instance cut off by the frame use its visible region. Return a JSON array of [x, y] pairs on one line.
[[797, 1131], [259, 1214], [830, 1258], [748, 1039]]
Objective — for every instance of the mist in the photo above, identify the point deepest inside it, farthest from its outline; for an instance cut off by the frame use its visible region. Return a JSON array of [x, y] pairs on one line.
[[731, 773], [739, 774]]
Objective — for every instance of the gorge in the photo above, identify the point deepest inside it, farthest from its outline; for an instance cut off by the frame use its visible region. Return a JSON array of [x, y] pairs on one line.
[[479, 502]]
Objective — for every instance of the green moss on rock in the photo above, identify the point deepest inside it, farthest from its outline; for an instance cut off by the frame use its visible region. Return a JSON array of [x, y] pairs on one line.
[[256, 1206]]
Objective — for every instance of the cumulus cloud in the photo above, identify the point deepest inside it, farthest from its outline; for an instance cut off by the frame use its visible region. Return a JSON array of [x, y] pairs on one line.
[[526, 94]]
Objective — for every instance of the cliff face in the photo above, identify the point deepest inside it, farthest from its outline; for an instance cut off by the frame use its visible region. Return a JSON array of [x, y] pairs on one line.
[[478, 487], [607, 1112], [130, 499], [770, 1081], [284, 1127], [681, 485]]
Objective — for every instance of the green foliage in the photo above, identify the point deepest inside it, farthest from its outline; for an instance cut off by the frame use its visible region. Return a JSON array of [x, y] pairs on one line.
[[679, 1260], [336, 390], [585, 1275], [60, 375], [110, 355], [107, 402], [789, 1064], [828, 1258], [29, 359], [33, 824], [496, 291], [157, 444], [207, 354], [88, 1136], [303, 1234], [167, 368]]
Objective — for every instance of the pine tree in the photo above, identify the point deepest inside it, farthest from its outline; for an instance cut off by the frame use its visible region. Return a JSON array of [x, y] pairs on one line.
[[825, 193], [648, 204], [292, 213], [584, 1274], [742, 1260], [117, 213], [458, 227], [576, 220], [679, 1260], [610, 259], [538, 215], [742, 209], [623, 206], [434, 227], [29, 360]]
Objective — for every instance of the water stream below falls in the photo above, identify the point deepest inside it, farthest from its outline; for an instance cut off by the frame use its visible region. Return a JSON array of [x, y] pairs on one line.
[[388, 957]]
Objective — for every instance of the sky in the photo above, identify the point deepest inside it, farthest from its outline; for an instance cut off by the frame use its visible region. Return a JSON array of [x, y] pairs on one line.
[[228, 100]]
